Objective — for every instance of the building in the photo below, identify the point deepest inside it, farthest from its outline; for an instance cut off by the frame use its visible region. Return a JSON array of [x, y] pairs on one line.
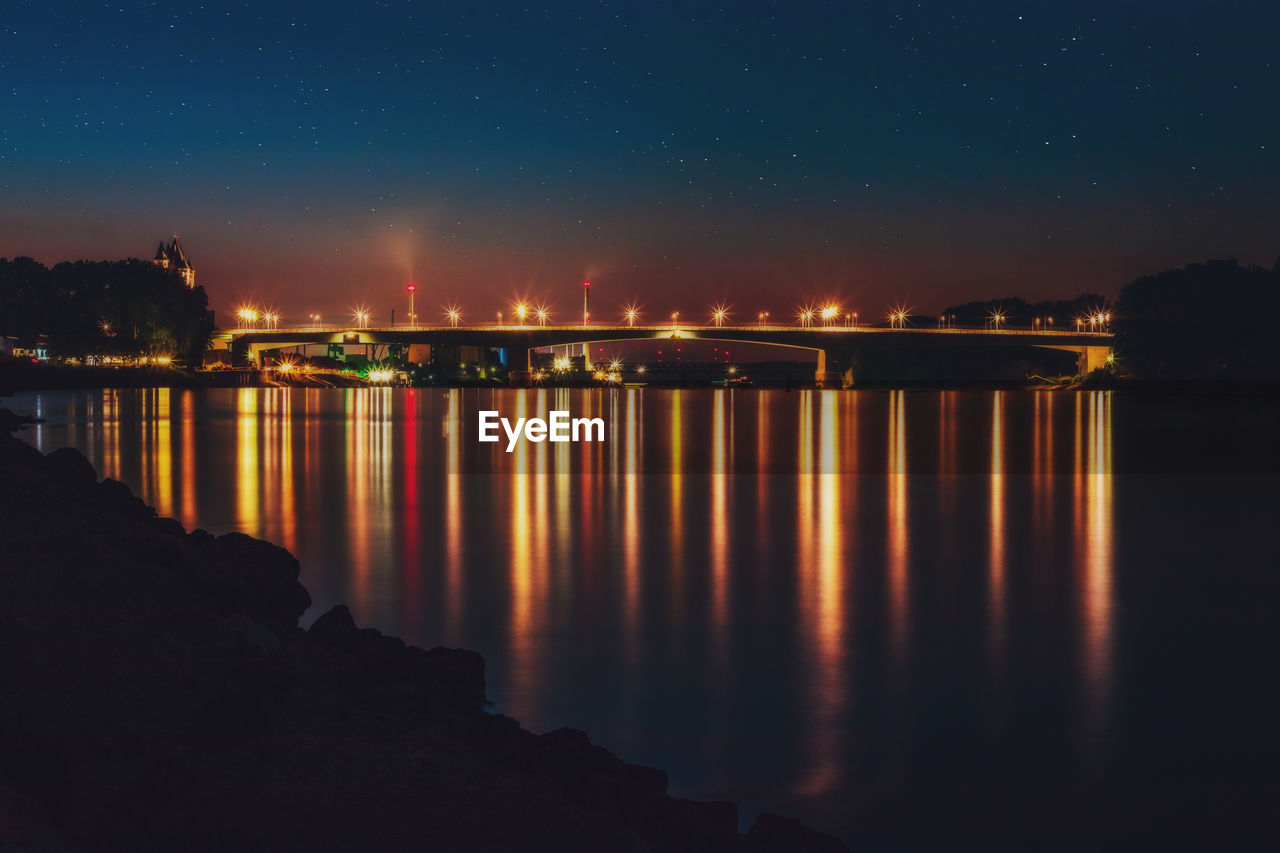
[[171, 257]]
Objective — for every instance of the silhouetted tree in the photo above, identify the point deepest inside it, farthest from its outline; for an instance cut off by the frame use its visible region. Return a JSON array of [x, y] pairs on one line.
[[1019, 312], [105, 307], [1214, 320]]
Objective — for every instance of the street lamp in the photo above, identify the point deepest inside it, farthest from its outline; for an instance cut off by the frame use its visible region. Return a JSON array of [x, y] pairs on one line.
[[718, 315], [631, 315], [674, 315], [542, 316], [362, 318], [521, 311], [499, 318], [412, 288], [453, 315]]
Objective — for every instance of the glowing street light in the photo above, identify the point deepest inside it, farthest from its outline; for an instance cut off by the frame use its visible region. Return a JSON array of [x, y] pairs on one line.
[[542, 314], [412, 288], [499, 318], [997, 317], [362, 318], [718, 315], [631, 314], [830, 312], [674, 316], [806, 316], [453, 315]]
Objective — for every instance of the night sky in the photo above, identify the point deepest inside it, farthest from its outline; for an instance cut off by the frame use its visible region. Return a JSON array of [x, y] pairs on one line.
[[677, 154]]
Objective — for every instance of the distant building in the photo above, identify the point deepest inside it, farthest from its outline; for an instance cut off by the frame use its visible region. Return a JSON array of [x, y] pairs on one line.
[[171, 257]]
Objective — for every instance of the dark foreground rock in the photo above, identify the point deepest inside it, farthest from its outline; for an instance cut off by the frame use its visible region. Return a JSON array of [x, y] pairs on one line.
[[156, 692]]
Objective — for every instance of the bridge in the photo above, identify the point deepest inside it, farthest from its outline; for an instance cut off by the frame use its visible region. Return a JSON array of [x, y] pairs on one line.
[[834, 345]]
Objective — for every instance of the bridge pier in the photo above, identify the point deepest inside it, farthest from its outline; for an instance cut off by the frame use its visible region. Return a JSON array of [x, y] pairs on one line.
[[521, 377], [833, 370], [1091, 358]]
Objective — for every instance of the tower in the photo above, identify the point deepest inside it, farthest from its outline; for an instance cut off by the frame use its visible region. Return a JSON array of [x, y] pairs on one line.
[[586, 317], [171, 257]]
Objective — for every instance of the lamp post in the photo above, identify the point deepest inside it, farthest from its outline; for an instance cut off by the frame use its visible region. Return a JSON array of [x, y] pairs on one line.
[[412, 288]]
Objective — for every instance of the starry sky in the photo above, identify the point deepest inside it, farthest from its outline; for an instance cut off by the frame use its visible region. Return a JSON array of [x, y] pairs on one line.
[[317, 156]]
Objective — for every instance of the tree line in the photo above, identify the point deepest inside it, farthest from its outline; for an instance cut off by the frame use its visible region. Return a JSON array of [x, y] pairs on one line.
[[1216, 320], [128, 308]]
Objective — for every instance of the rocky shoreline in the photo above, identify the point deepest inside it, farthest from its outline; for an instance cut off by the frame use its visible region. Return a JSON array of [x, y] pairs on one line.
[[157, 692]]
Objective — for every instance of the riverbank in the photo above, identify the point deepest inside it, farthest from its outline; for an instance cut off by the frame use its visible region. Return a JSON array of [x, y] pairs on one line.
[[157, 692]]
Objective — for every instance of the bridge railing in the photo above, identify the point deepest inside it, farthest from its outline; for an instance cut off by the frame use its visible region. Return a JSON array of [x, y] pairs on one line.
[[672, 327]]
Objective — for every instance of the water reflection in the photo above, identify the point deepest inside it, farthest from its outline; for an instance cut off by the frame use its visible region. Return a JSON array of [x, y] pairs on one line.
[[997, 536], [1094, 533], [823, 595], [248, 498], [898, 534], [453, 517], [716, 551]]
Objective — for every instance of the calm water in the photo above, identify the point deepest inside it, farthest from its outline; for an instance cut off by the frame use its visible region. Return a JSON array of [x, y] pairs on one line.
[[911, 618]]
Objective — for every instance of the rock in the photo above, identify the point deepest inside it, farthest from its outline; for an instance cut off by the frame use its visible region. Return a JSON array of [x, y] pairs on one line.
[[201, 539], [9, 421], [171, 526], [337, 627], [572, 751], [773, 833], [68, 467], [265, 575], [453, 676], [119, 498]]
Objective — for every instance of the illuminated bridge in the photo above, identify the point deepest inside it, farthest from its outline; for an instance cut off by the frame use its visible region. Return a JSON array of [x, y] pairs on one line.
[[834, 345]]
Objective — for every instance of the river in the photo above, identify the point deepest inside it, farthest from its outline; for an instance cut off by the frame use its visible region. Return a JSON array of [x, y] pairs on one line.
[[911, 618]]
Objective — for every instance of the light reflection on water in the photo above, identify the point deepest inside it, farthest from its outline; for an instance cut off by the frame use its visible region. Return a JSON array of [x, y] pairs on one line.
[[779, 597]]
